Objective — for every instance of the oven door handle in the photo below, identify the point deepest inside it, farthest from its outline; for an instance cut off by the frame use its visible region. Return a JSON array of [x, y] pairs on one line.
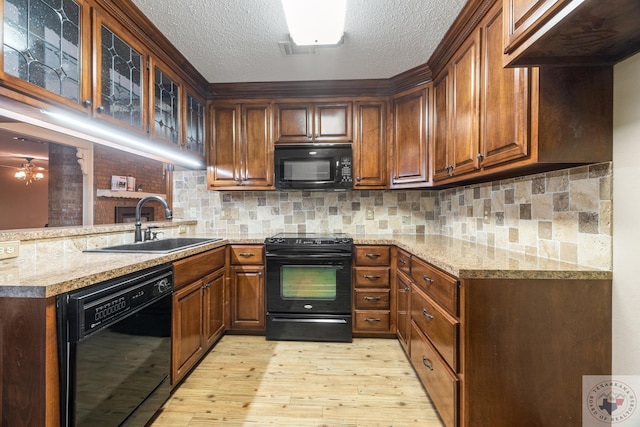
[[302, 256]]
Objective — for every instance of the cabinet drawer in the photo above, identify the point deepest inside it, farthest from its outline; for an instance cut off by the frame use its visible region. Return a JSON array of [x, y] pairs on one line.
[[372, 321], [371, 277], [439, 286], [190, 269], [403, 262], [438, 325], [437, 378], [372, 255], [247, 254], [371, 299]]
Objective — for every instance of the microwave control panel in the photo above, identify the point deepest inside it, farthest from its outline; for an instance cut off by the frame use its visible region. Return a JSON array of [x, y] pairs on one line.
[[345, 169]]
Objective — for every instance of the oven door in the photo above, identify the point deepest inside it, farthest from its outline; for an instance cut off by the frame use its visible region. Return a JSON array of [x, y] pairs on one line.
[[309, 283]]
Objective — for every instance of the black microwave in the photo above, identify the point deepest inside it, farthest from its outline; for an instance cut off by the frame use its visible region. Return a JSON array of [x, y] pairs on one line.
[[313, 167]]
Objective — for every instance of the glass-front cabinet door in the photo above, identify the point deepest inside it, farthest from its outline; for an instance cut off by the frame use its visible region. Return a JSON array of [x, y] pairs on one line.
[[44, 48], [165, 105], [120, 72], [195, 119]]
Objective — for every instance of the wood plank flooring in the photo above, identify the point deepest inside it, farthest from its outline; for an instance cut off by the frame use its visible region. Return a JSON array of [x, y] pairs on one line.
[[248, 381]]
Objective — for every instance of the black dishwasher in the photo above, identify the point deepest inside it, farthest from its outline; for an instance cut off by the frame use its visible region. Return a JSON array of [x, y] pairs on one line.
[[115, 349]]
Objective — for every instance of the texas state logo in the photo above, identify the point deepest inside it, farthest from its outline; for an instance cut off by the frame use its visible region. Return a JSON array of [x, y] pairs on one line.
[[609, 401]]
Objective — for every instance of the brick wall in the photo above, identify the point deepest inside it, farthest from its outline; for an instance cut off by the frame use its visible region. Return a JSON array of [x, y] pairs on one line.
[[65, 187], [148, 173]]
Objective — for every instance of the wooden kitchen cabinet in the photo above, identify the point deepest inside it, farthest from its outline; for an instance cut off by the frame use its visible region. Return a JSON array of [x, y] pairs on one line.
[[409, 141], [247, 289], [516, 120], [194, 118], [471, 339], [370, 145], [403, 300], [555, 32], [314, 122], [50, 48], [165, 104], [241, 147], [456, 146], [198, 309], [373, 298]]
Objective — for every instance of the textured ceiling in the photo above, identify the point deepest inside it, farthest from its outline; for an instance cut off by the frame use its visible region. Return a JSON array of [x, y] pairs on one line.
[[237, 40]]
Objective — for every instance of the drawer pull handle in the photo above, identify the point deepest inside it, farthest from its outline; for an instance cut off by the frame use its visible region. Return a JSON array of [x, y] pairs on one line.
[[428, 365], [372, 298], [246, 254], [372, 320], [426, 314], [427, 279], [371, 276], [372, 255]]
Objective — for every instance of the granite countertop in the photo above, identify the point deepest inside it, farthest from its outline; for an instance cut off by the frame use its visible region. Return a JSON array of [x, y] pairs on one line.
[[50, 275]]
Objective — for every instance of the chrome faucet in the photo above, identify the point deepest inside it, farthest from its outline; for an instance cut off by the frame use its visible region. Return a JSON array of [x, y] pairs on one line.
[[167, 213]]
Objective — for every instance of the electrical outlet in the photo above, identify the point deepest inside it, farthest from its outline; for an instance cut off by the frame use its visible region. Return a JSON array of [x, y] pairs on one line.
[[370, 214], [486, 217], [193, 213], [9, 249], [182, 229]]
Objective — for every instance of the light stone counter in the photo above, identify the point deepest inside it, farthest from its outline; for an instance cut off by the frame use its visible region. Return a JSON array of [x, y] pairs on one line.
[[51, 273], [467, 260]]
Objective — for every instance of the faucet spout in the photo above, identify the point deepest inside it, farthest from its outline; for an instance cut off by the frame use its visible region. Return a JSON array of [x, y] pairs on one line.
[[138, 224]]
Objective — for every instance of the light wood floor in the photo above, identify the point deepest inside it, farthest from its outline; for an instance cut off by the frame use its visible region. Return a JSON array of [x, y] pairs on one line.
[[248, 381]]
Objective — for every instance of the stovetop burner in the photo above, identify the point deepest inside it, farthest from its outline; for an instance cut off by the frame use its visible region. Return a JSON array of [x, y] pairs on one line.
[[309, 239]]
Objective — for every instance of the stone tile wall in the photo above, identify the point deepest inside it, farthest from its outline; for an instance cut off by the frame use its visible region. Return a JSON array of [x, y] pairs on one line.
[[563, 215]]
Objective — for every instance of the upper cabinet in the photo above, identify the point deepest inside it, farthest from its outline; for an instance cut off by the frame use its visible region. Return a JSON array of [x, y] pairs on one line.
[[241, 147], [370, 145], [120, 75], [93, 58], [165, 104], [493, 121], [313, 122], [574, 32], [45, 50], [457, 149], [409, 143]]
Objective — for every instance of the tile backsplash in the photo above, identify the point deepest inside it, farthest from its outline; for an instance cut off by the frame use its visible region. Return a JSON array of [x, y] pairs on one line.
[[564, 215]]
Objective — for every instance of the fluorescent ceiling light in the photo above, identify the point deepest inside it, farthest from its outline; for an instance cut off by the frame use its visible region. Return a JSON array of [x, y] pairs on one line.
[[315, 22]]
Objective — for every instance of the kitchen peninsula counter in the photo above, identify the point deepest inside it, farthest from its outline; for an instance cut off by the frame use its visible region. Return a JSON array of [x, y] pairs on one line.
[[49, 273]]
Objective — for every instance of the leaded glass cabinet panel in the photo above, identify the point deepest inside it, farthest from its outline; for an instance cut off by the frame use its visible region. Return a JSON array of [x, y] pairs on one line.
[[121, 79], [166, 111], [195, 125], [43, 44]]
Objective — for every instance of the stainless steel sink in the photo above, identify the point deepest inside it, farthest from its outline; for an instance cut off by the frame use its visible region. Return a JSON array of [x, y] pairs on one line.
[[163, 246]]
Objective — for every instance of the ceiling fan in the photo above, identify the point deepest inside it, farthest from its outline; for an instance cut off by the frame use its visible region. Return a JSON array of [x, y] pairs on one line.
[[28, 172]]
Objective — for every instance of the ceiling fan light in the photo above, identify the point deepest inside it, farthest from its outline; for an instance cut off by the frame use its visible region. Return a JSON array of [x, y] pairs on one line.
[[21, 175], [38, 176], [315, 22]]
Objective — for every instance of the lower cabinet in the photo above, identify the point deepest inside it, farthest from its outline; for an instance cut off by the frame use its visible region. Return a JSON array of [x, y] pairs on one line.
[[372, 295], [504, 351], [198, 309], [247, 289]]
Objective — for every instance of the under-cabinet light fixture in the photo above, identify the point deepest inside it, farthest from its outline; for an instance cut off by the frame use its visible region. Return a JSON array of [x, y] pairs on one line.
[[315, 22], [126, 140]]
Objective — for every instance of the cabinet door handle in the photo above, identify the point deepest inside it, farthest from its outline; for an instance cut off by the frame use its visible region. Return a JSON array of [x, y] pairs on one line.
[[406, 289], [402, 261], [372, 298], [259, 273], [100, 109], [479, 156], [426, 314], [246, 254], [371, 276], [428, 363], [427, 279], [372, 255], [372, 320], [87, 103]]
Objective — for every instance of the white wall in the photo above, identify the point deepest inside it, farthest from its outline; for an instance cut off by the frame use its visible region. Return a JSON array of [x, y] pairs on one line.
[[626, 218]]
